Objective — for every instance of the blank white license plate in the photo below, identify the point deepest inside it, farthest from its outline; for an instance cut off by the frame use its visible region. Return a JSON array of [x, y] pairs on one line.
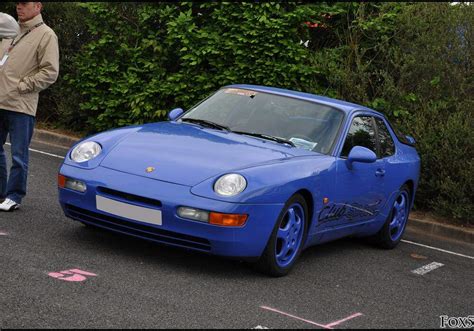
[[126, 210]]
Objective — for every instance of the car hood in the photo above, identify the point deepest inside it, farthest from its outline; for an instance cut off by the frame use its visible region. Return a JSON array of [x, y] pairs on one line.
[[187, 154]]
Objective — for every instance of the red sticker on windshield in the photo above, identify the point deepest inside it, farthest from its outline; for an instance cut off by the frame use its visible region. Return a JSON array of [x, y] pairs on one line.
[[238, 91]]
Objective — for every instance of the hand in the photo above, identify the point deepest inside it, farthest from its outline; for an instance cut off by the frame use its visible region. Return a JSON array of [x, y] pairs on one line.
[[23, 88]]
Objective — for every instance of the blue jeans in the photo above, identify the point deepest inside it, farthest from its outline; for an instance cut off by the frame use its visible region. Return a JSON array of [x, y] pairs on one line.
[[20, 128]]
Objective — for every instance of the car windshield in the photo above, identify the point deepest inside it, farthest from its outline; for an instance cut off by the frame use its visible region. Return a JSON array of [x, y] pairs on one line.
[[300, 123]]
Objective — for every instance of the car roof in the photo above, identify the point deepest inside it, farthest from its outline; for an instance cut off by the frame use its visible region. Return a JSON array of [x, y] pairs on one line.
[[347, 107]]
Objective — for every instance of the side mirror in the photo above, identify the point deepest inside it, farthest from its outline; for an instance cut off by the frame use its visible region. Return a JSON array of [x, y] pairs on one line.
[[411, 140], [175, 113], [360, 154]]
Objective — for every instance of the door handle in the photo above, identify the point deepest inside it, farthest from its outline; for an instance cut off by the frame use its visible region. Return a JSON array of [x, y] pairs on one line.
[[379, 172]]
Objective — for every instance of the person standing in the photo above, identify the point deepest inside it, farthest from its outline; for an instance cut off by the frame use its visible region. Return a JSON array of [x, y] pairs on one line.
[[9, 27], [29, 64]]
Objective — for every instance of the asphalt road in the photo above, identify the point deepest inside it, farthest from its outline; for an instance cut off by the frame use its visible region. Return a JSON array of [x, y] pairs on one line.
[[137, 284]]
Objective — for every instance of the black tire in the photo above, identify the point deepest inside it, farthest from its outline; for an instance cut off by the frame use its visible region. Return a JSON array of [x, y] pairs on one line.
[[385, 237], [267, 263]]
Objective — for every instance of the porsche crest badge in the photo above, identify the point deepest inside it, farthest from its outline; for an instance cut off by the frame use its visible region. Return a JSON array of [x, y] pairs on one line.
[[150, 169]]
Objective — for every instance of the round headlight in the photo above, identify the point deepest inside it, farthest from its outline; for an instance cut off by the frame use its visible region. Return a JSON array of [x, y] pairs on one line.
[[230, 185], [86, 151]]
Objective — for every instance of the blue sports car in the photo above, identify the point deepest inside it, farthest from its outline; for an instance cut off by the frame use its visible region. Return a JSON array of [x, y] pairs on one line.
[[251, 172]]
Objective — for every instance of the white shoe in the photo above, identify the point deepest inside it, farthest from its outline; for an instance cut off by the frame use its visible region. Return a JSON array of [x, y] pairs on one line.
[[9, 205]]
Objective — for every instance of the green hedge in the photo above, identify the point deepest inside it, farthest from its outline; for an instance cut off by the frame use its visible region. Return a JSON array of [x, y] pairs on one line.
[[146, 59], [130, 63], [413, 62]]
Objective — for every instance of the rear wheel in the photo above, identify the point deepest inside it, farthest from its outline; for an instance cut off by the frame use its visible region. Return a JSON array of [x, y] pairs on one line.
[[287, 239], [391, 233]]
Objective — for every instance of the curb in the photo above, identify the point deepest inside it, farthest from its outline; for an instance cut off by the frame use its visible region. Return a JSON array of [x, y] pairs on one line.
[[447, 231], [53, 138], [432, 228]]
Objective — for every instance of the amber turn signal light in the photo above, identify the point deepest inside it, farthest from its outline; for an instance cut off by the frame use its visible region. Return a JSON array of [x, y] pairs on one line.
[[227, 219], [61, 181], [72, 184]]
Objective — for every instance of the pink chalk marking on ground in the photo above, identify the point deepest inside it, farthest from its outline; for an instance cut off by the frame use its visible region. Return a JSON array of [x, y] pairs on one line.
[[74, 278], [324, 326], [3, 233], [81, 272], [77, 275], [330, 325], [295, 317]]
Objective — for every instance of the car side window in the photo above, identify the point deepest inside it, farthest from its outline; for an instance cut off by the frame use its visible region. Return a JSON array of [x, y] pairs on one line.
[[387, 146], [361, 133]]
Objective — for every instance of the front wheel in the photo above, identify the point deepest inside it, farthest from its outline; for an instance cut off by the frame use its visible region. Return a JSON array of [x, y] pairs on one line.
[[287, 239], [391, 233]]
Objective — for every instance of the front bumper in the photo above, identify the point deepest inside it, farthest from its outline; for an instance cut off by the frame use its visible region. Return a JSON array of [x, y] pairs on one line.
[[248, 241]]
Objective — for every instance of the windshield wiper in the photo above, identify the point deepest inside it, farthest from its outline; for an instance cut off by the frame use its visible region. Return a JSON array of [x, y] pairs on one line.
[[266, 136], [205, 123]]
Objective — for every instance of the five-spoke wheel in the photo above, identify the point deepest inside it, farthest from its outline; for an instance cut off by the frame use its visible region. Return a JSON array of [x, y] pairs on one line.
[[391, 233], [287, 239]]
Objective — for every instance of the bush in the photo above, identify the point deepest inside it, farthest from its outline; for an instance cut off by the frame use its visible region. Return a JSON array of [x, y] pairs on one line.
[[413, 62], [150, 58], [130, 63], [436, 71]]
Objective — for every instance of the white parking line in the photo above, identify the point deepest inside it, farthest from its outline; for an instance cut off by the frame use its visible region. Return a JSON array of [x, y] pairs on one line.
[[427, 268], [41, 152], [439, 249]]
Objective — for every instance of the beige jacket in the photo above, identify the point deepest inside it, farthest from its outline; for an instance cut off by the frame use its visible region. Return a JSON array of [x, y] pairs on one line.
[[32, 66]]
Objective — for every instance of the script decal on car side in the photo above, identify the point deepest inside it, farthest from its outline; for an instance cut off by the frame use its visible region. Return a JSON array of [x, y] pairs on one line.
[[351, 212]]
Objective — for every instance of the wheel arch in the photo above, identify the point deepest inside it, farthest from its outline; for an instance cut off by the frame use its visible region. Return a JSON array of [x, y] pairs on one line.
[[308, 197]]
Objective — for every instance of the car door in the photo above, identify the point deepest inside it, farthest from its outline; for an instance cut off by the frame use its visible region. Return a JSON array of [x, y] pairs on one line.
[[359, 189], [387, 154]]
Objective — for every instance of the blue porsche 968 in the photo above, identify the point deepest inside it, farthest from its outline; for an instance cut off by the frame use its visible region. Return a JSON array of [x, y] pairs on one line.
[[251, 172]]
